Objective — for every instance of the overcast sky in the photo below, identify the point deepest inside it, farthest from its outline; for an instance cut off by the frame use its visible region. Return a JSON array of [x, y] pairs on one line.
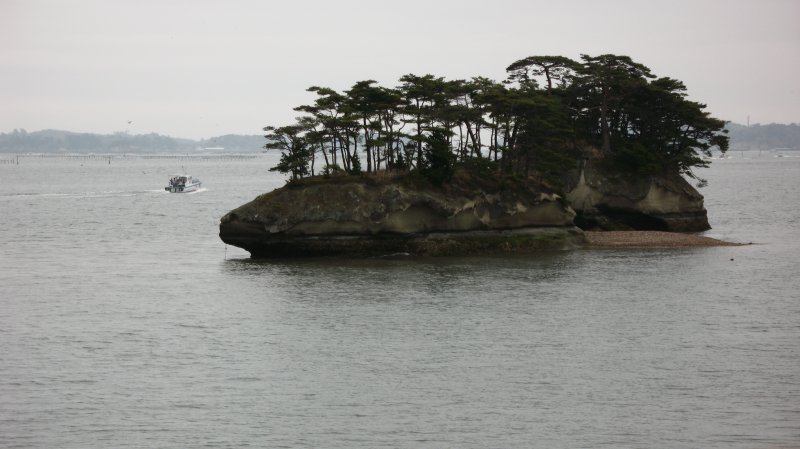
[[201, 68]]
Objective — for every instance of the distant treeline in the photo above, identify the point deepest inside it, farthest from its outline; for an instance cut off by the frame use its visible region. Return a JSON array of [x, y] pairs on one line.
[[753, 137], [764, 137], [53, 141]]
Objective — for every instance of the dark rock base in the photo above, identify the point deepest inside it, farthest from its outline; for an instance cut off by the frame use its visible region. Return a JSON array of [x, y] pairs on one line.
[[607, 219], [518, 241]]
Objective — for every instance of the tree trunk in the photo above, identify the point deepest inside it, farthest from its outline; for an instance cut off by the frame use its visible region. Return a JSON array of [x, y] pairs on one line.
[[462, 149], [496, 132], [334, 154], [606, 147], [475, 143], [419, 140], [549, 81]]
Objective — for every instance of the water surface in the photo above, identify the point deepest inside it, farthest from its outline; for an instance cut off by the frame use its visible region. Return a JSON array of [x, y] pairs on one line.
[[125, 322]]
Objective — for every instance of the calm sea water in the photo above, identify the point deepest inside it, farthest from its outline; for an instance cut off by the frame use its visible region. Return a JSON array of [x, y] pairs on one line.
[[125, 322]]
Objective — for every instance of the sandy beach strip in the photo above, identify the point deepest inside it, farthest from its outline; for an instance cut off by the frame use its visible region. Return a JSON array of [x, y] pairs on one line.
[[650, 239]]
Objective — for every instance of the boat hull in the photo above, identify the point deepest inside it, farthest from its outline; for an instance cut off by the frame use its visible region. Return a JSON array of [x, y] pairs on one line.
[[184, 189]]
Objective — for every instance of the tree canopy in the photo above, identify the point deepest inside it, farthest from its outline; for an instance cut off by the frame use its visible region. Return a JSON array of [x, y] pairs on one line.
[[536, 122]]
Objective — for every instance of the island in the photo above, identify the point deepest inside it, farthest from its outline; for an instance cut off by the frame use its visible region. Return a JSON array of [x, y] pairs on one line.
[[461, 167]]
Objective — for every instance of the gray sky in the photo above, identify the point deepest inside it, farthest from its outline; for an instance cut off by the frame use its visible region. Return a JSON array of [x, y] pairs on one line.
[[201, 68]]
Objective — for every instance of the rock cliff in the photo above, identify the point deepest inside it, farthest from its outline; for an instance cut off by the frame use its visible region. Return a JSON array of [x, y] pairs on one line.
[[613, 201], [470, 214], [366, 216]]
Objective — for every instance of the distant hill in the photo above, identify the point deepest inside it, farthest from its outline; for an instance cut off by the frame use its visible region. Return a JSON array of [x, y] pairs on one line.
[[56, 141], [236, 142], [753, 137], [764, 137]]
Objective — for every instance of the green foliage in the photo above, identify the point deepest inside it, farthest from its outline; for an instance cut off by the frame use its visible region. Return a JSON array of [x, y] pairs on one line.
[[295, 152], [355, 164], [552, 68], [482, 168], [438, 162], [332, 170], [399, 163], [636, 159], [427, 124], [543, 142]]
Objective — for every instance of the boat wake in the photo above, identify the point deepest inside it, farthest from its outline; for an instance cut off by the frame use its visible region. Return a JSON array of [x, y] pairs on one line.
[[70, 195]]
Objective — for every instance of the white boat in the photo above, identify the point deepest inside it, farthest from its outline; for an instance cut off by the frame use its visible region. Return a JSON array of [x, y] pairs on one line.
[[183, 184]]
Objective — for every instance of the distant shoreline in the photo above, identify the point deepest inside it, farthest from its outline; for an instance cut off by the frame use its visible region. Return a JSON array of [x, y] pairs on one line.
[[651, 239]]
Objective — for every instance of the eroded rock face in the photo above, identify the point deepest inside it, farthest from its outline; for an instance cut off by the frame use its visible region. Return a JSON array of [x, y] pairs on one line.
[[357, 216], [642, 203]]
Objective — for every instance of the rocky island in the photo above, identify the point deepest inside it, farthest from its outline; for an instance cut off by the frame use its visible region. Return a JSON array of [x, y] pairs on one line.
[[369, 217], [437, 167], [611, 201]]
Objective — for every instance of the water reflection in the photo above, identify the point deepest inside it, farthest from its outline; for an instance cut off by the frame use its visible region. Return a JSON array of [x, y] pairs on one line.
[[396, 277]]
